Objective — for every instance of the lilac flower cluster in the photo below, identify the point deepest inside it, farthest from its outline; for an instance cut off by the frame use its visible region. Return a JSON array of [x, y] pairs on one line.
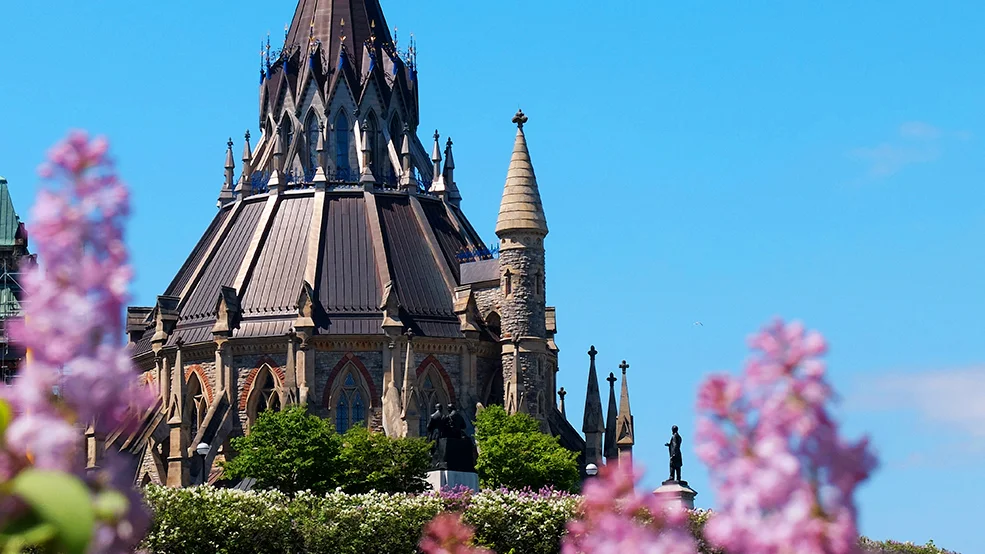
[[785, 479], [77, 372]]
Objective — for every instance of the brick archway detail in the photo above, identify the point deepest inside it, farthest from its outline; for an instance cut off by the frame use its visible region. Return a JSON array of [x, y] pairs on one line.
[[346, 359], [433, 362], [275, 370], [202, 378]]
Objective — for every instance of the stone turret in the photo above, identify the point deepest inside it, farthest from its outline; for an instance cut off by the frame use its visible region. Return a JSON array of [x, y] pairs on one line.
[[521, 229], [625, 432], [611, 415], [226, 193]]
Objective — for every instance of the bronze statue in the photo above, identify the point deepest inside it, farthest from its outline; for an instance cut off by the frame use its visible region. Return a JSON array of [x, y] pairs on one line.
[[674, 446], [436, 424], [455, 423], [451, 447]]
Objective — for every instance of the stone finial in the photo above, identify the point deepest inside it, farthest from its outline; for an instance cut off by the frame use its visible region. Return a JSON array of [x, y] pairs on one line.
[[390, 306], [561, 394], [307, 306], [436, 158], [521, 210], [320, 146], [244, 188], [278, 150], [520, 118], [406, 180], [366, 177], [165, 317], [226, 193]]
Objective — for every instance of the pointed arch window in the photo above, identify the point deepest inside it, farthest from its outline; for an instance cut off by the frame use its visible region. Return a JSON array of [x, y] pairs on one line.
[[263, 395], [397, 138], [312, 130], [342, 146], [196, 403], [430, 392], [287, 130], [349, 400], [372, 130]]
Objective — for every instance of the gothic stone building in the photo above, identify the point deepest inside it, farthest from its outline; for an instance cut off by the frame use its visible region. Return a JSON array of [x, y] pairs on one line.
[[13, 257], [341, 273]]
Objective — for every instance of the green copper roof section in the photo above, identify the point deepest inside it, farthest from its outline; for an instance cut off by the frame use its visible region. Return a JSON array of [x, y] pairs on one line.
[[8, 218]]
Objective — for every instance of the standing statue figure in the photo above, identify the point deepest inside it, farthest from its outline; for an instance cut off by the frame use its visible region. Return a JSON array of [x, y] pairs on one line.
[[456, 423], [675, 455], [437, 424]]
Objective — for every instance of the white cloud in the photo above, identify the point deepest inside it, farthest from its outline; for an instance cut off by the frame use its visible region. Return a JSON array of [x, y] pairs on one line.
[[916, 142], [887, 159], [954, 398]]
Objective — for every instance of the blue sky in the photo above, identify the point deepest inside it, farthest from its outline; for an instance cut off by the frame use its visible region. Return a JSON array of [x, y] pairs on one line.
[[698, 161]]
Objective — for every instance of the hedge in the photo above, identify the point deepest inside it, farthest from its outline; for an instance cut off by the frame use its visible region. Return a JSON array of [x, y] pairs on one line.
[[223, 521]]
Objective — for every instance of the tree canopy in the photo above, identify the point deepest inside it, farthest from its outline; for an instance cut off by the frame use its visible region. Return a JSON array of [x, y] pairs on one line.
[[514, 453], [292, 450]]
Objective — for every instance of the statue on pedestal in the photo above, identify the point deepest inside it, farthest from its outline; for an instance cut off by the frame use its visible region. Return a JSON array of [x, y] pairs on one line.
[[674, 446], [451, 449]]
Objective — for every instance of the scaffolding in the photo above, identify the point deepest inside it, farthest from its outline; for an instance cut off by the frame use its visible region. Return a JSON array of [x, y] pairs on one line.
[[10, 309]]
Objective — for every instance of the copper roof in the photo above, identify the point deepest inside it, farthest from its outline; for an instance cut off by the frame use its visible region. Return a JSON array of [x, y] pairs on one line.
[[265, 243]]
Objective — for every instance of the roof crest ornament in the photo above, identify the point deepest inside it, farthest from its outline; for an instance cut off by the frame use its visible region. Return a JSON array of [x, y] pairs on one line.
[[520, 118]]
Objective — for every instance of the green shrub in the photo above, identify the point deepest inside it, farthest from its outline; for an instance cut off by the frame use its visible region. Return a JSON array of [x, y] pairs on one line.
[[220, 521], [513, 453]]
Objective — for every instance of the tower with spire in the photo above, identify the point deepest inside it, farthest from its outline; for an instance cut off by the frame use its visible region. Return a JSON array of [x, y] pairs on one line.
[[521, 228]]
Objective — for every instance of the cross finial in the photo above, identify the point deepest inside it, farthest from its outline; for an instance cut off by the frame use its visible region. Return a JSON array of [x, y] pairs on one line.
[[611, 379], [592, 352], [436, 135], [624, 366], [520, 119], [561, 393], [247, 135], [229, 143]]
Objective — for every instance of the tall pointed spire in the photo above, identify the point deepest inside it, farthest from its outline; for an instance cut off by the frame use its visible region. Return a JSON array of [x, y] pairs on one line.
[[625, 432], [226, 194], [521, 209], [436, 159], [407, 181], [446, 186], [244, 187], [609, 446], [592, 423]]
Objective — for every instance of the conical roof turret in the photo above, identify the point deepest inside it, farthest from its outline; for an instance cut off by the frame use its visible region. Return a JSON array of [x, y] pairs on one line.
[[521, 209], [592, 422]]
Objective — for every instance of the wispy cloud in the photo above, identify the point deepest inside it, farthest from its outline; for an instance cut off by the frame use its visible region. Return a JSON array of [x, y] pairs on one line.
[[952, 399], [915, 142]]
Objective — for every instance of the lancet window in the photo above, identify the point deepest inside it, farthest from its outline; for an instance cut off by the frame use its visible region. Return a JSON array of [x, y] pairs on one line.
[[372, 130], [430, 391], [342, 145], [349, 399], [196, 403], [312, 131], [263, 395]]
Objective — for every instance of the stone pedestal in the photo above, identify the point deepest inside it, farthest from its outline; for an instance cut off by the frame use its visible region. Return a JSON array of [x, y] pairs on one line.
[[676, 494], [443, 479]]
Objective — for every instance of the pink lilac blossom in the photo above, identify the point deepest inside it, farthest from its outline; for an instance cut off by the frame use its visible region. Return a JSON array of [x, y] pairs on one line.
[[785, 479], [615, 517], [447, 534], [77, 373]]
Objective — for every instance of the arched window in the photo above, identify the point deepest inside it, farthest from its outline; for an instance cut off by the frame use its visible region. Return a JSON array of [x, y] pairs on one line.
[[312, 131], [372, 130], [397, 138], [508, 283], [342, 146], [287, 132], [263, 395], [430, 391], [196, 403], [349, 399]]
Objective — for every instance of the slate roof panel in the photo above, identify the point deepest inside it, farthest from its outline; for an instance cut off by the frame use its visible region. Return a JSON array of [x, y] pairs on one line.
[[348, 282], [275, 282], [420, 287], [452, 243]]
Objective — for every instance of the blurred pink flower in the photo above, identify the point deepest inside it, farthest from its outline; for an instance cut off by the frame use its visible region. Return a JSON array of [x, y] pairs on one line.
[[785, 479], [447, 534]]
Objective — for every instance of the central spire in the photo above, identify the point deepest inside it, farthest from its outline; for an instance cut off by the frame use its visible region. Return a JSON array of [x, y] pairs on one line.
[[335, 23]]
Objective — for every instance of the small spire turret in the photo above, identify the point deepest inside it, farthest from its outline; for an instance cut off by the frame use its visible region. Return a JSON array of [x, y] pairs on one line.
[[625, 431], [244, 187], [407, 181], [226, 193], [521, 210], [610, 451], [366, 178], [436, 158], [592, 423]]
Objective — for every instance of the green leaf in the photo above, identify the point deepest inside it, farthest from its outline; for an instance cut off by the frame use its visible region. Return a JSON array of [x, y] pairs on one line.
[[61, 500]]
